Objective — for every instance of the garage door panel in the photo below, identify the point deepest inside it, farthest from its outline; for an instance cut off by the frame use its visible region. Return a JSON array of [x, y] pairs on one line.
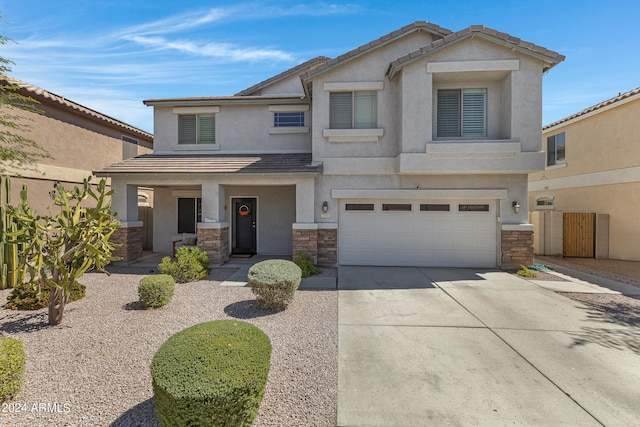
[[421, 238]]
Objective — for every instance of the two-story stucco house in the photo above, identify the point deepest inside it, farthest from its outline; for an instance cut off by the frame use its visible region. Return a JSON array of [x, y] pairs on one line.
[[413, 149], [584, 202]]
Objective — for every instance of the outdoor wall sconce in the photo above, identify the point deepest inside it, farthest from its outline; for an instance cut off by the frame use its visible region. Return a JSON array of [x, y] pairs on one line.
[[516, 207], [325, 206]]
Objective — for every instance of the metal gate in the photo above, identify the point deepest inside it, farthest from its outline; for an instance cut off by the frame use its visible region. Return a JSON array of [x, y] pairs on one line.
[[579, 235]]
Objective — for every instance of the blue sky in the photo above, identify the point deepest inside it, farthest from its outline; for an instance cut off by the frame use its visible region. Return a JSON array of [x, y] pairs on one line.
[[110, 55]]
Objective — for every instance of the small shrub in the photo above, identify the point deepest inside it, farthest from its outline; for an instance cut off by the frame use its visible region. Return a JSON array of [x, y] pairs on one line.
[[303, 260], [155, 291], [12, 363], [525, 272], [190, 264], [213, 373], [28, 296], [274, 282]]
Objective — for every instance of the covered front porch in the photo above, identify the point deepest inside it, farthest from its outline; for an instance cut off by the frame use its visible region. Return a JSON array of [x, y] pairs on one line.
[[244, 212]]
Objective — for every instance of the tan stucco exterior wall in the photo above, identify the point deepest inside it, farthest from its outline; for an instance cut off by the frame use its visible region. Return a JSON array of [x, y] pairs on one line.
[[602, 173], [77, 144]]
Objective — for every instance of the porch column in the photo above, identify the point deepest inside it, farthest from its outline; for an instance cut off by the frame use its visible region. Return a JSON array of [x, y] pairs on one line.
[[517, 246], [213, 231], [305, 230], [129, 236]]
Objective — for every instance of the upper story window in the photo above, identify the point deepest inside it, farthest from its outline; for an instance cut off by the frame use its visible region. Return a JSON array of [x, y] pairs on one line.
[[462, 113], [555, 150], [288, 119], [197, 129], [353, 110]]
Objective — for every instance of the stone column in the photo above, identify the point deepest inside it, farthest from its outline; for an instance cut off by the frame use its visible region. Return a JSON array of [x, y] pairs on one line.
[[128, 239], [305, 239], [517, 246], [213, 238], [327, 244]]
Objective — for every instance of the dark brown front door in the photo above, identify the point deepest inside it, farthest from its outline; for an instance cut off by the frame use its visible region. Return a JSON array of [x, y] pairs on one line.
[[244, 226]]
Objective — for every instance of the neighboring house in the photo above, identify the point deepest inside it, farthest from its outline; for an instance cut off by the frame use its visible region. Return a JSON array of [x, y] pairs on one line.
[[593, 173], [79, 141], [410, 150]]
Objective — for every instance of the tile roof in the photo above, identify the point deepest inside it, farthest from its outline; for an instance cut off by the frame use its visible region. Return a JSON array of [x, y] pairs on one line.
[[295, 71], [416, 26], [549, 56], [161, 164], [35, 91], [609, 102]]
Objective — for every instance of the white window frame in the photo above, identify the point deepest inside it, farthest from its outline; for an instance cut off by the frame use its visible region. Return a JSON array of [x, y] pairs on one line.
[[356, 109], [468, 121]]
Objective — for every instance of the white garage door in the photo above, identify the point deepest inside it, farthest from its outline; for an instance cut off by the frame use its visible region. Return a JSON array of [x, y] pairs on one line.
[[417, 233]]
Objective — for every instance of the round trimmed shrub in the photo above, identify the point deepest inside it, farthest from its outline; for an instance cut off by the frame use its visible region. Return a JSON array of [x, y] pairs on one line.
[[211, 374], [156, 291], [12, 363], [274, 282]]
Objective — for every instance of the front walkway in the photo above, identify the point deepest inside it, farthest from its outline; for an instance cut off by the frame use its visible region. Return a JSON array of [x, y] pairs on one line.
[[428, 346]]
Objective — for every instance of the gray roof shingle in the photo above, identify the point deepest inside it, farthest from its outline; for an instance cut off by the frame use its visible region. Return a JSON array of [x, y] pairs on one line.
[[159, 164], [550, 57]]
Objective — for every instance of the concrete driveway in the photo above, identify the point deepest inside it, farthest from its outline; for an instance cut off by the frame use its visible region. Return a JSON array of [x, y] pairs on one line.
[[428, 346]]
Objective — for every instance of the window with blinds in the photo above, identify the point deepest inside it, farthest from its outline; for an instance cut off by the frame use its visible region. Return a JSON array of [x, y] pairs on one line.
[[353, 110], [196, 129], [462, 113]]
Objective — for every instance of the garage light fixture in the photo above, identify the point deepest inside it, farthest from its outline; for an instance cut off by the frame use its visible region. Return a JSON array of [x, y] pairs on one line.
[[516, 206], [325, 206]]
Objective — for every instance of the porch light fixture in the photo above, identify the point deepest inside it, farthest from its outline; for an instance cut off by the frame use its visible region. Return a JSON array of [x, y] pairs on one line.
[[515, 206], [325, 206]]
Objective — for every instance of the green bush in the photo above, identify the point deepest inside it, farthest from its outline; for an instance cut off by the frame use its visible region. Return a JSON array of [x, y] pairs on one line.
[[303, 260], [211, 374], [525, 272], [274, 282], [12, 363], [190, 264], [156, 290], [28, 296]]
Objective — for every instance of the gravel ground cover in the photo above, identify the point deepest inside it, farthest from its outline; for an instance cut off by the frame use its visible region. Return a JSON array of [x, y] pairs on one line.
[[93, 368]]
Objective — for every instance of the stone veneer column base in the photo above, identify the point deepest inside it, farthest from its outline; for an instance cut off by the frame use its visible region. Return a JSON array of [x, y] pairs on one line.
[[327, 246], [305, 239], [128, 240], [517, 249], [214, 240]]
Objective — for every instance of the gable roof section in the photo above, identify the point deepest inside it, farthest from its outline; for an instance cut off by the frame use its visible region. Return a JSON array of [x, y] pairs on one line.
[[616, 101], [36, 92], [550, 57], [382, 41], [295, 71], [169, 164]]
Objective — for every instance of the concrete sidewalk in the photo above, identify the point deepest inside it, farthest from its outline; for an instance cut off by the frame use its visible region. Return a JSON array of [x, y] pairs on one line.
[[428, 346]]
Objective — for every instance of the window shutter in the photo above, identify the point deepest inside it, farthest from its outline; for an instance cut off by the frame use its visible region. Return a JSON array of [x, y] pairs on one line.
[[448, 113], [365, 110], [206, 129], [187, 129], [474, 112], [340, 108]]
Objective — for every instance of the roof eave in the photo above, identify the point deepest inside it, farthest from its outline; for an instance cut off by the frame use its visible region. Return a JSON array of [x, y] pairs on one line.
[[241, 100]]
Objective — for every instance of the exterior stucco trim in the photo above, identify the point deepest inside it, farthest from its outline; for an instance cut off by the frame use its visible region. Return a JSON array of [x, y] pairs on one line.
[[347, 193]]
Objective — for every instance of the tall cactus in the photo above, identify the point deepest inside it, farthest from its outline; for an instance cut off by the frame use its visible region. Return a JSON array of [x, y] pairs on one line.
[[9, 249]]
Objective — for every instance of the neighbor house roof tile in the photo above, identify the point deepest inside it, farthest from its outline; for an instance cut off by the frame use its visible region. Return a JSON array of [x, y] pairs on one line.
[[39, 92], [594, 108]]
